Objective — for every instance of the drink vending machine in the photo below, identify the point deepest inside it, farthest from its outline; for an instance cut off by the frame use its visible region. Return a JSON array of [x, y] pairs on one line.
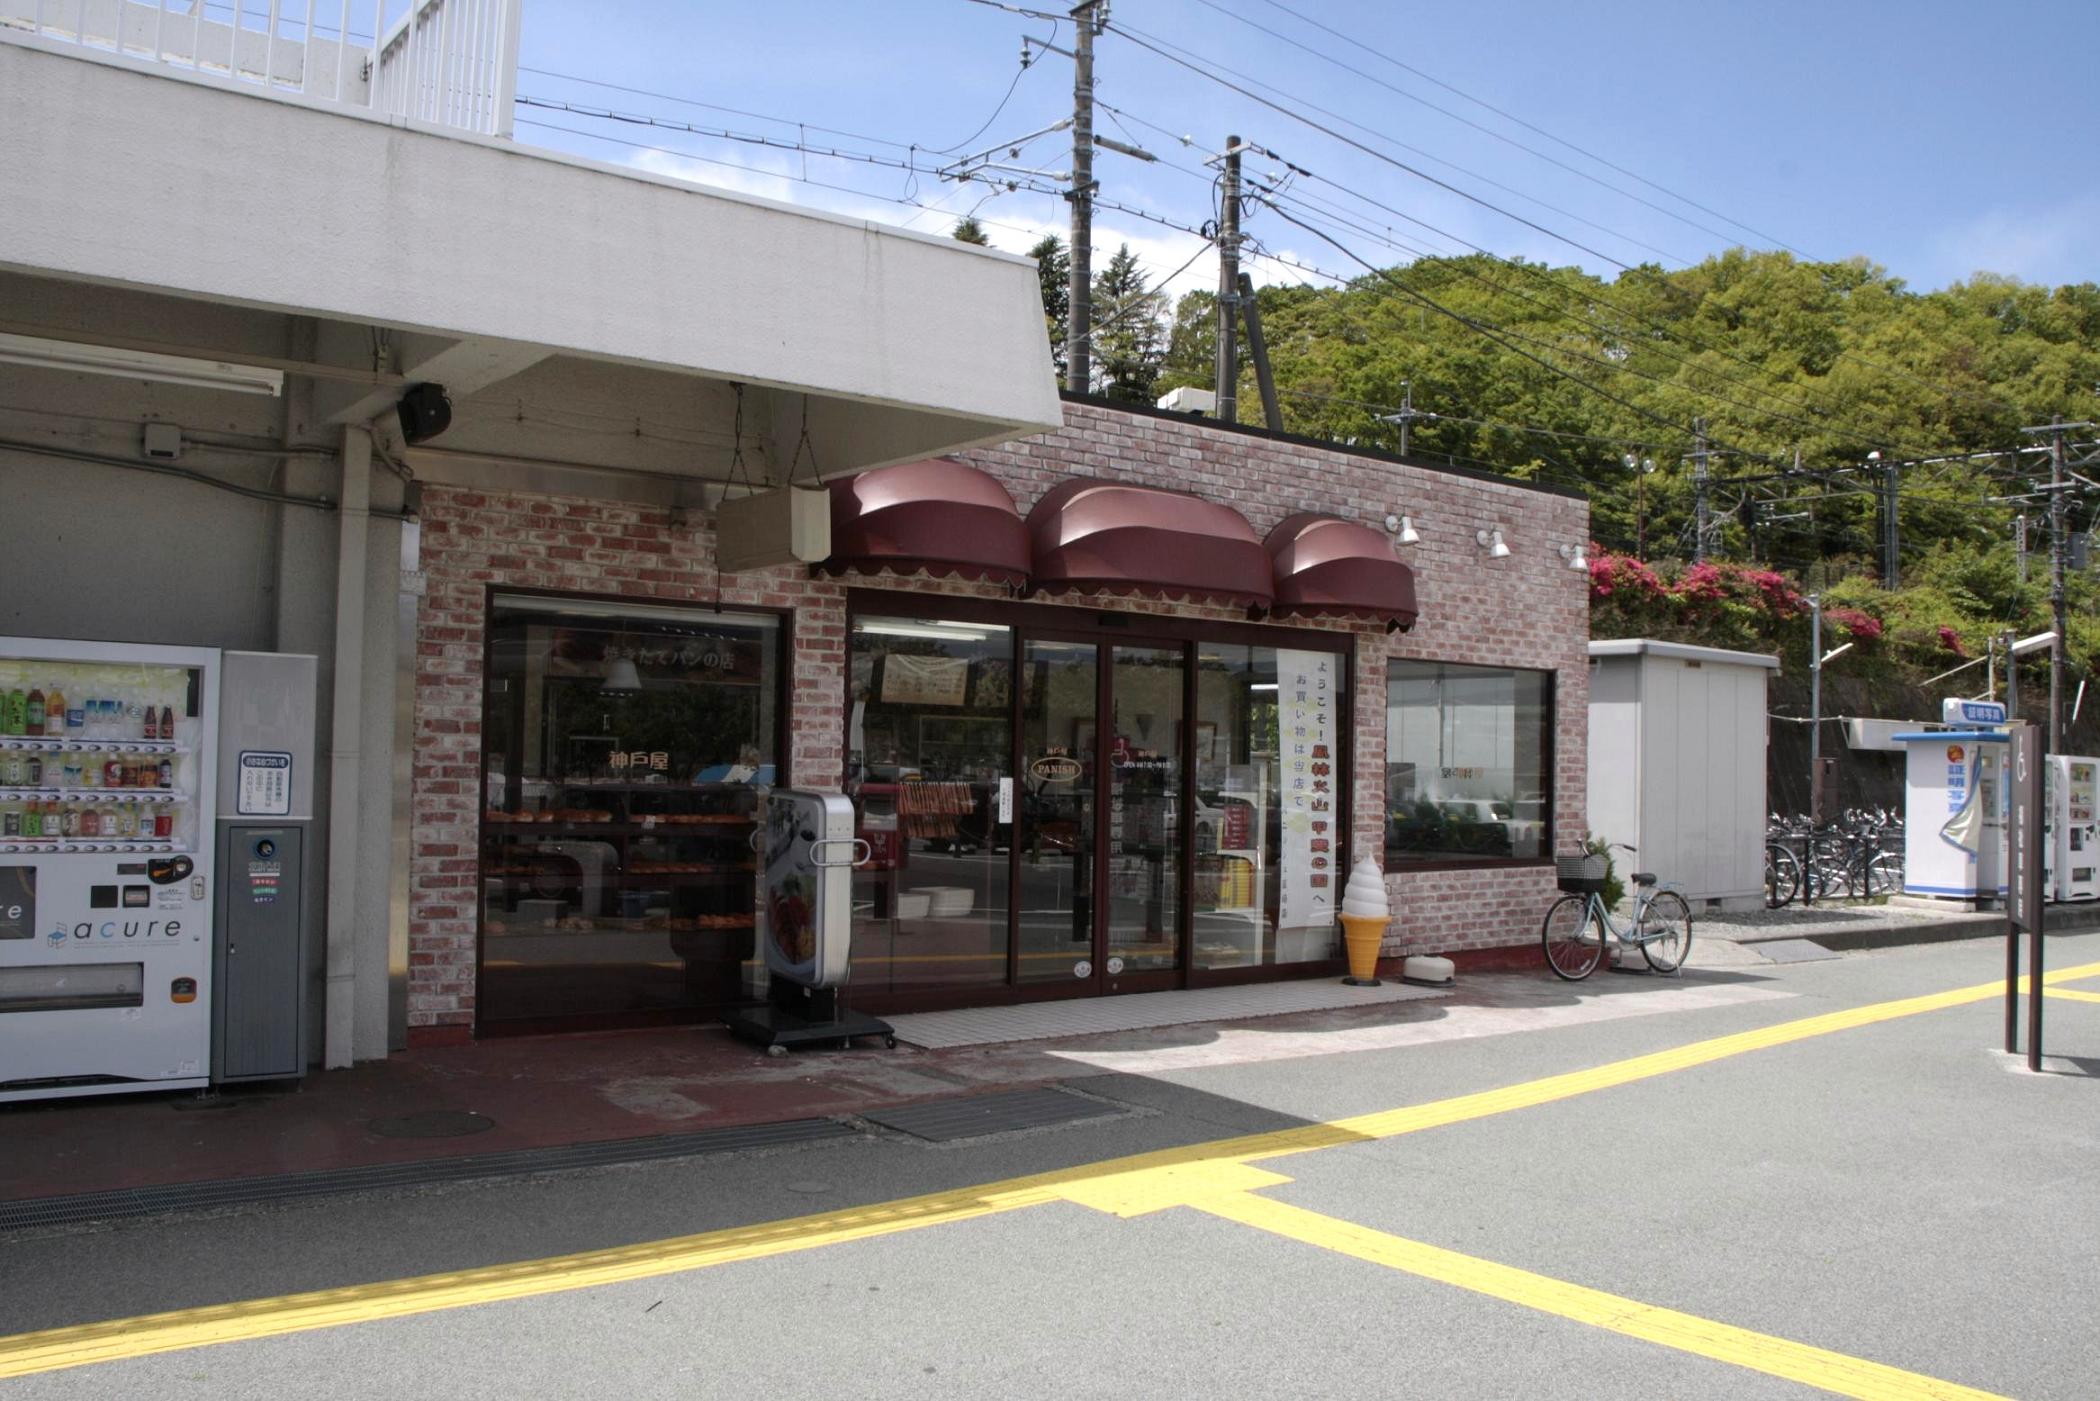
[[2072, 849], [110, 781], [106, 796]]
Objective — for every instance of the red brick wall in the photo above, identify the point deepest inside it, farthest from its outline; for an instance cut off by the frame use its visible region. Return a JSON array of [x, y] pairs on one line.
[[1528, 610]]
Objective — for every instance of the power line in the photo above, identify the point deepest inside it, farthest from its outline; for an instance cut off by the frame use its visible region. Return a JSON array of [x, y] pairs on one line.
[[1555, 161], [1528, 126], [715, 107], [1217, 77], [1493, 334]]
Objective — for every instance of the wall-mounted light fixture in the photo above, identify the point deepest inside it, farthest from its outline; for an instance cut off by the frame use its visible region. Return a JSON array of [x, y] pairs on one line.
[[1491, 541], [1575, 557], [1402, 529]]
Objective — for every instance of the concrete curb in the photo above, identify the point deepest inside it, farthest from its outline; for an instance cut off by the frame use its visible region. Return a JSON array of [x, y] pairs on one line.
[[1898, 933]]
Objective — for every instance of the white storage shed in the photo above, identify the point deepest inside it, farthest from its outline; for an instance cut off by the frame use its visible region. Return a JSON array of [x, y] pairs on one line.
[[1677, 764]]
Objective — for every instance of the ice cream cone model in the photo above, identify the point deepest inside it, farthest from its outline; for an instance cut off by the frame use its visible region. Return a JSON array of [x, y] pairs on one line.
[[1365, 914]]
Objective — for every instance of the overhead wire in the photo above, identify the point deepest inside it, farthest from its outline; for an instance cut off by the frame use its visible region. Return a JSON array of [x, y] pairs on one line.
[[1485, 130], [1529, 126], [1196, 64]]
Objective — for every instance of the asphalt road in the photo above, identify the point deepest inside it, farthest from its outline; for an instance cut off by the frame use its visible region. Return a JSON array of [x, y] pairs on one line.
[[1804, 1195]]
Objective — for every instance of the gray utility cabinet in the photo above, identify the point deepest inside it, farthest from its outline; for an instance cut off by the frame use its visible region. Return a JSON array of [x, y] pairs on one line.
[[1677, 764], [259, 947], [259, 965]]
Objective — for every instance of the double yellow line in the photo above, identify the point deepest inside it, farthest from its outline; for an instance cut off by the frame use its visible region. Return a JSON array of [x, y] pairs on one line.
[[1216, 1177]]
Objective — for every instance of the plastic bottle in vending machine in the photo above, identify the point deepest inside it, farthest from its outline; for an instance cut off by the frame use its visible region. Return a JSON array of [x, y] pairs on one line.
[[32, 820], [14, 711], [33, 716], [167, 722], [90, 820], [166, 777], [10, 821], [55, 712]]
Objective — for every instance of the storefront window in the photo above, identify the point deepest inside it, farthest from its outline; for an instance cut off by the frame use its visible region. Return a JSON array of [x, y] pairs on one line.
[[1269, 822], [1467, 751], [929, 755], [624, 746]]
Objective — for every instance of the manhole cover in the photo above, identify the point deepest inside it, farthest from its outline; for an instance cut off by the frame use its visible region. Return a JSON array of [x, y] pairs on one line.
[[435, 1123]]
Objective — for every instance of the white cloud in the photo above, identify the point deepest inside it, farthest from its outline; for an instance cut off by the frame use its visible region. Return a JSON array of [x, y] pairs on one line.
[[2051, 245]]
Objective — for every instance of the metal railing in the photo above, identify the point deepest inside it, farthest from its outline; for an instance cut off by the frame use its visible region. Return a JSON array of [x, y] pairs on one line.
[[445, 62]]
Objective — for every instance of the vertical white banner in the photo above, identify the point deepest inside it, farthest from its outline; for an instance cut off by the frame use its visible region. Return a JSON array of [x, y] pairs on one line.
[[1312, 779]]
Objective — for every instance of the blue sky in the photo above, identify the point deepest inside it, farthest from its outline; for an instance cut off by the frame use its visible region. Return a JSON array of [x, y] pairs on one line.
[[1936, 138]]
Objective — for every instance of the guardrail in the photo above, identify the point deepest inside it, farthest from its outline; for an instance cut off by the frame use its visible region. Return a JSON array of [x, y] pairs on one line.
[[446, 62]]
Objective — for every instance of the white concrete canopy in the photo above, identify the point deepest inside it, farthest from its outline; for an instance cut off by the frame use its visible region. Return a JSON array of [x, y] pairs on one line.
[[473, 260]]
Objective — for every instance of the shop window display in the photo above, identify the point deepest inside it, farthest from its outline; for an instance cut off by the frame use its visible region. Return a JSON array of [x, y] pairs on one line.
[[623, 749], [1467, 763]]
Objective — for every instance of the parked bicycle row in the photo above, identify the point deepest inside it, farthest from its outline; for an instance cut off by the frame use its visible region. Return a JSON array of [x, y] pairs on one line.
[[1859, 856]]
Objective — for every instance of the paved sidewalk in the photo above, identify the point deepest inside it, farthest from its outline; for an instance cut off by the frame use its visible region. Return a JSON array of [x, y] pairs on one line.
[[511, 1096]]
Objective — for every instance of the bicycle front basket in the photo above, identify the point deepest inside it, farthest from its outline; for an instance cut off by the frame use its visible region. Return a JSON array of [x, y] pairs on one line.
[[1582, 875]]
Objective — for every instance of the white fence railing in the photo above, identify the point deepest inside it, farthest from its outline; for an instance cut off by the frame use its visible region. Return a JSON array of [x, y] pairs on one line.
[[448, 62]]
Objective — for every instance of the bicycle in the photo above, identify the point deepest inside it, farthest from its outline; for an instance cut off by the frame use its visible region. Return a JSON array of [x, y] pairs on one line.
[[1578, 926]]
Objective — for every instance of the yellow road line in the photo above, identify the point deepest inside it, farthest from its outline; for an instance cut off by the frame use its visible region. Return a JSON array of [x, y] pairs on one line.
[[82, 1344], [1740, 1347], [2072, 993]]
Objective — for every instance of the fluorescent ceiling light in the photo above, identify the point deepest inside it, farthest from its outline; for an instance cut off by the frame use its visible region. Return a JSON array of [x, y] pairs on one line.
[[139, 364], [942, 631], [1261, 686]]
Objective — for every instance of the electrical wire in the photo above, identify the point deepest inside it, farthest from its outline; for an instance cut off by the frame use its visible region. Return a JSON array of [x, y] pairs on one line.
[[1488, 131], [1010, 90], [1161, 48], [1528, 126], [164, 469]]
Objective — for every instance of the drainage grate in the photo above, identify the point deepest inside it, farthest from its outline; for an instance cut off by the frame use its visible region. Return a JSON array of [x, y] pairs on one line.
[[1793, 950], [971, 1116], [192, 1196]]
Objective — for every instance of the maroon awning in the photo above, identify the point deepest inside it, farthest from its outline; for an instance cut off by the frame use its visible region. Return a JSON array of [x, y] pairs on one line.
[[1090, 536], [1326, 565], [936, 517]]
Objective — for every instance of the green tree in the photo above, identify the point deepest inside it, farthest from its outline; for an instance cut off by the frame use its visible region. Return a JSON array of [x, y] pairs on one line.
[[968, 230], [1053, 271], [1129, 337]]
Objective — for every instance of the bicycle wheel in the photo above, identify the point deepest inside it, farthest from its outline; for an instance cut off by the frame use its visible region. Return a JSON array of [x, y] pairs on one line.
[[1884, 873], [1782, 875], [1666, 932], [1573, 941]]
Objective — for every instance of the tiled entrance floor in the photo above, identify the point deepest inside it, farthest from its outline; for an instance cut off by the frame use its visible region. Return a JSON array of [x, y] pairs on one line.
[[986, 1026]]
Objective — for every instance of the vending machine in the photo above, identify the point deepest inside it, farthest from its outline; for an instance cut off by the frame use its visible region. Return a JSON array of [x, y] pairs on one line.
[[107, 791], [2072, 849]]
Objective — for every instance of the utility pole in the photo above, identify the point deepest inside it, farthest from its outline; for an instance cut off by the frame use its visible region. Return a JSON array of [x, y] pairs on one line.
[[1701, 488], [1228, 373], [2059, 559], [1407, 416], [1891, 532], [1086, 17], [1815, 740], [2020, 542]]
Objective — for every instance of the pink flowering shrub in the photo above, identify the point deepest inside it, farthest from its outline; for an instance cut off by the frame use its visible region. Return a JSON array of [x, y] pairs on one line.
[[1860, 626], [1951, 640]]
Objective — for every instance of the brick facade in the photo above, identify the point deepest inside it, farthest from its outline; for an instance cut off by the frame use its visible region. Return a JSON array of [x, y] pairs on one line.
[[1528, 610]]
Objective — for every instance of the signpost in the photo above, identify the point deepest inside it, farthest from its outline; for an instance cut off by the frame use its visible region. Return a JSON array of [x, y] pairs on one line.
[[2023, 891]]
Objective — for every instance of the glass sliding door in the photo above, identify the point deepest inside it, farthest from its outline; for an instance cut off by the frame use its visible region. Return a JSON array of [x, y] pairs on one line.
[[1144, 833], [1055, 833], [929, 739]]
